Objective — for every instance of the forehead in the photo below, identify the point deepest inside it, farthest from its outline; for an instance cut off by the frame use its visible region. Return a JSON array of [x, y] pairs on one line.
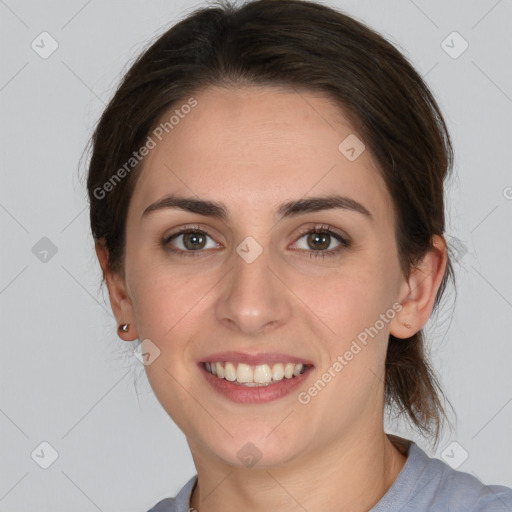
[[258, 146]]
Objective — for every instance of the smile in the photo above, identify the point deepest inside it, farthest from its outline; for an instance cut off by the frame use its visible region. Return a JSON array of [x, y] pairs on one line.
[[255, 376]]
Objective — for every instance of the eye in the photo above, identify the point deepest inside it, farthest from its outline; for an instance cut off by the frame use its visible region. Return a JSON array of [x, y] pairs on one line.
[[322, 241], [189, 240], [317, 241]]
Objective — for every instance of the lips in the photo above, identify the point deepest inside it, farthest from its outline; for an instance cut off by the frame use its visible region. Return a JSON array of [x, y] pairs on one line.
[[254, 375], [254, 359], [251, 393], [245, 377]]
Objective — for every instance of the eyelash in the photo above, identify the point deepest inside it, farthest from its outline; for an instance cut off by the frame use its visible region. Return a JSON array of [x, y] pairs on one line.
[[326, 229], [323, 229]]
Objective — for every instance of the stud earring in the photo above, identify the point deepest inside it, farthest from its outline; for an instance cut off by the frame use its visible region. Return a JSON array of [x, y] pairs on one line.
[[123, 327]]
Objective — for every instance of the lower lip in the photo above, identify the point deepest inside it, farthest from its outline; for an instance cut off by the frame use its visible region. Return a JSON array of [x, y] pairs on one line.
[[254, 395]]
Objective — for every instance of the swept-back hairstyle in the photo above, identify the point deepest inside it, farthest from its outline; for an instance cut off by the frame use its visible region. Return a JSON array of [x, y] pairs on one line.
[[304, 46]]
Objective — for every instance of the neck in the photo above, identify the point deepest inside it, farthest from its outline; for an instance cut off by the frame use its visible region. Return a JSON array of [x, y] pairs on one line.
[[350, 477]]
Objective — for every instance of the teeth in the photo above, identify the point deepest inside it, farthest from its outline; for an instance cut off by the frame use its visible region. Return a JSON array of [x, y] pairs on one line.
[[297, 370], [229, 372], [244, 373], [262, 374], [277, 372], [288, 370]]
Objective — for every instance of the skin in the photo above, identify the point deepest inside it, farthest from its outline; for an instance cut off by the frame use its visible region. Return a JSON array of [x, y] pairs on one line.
[[254, 148]]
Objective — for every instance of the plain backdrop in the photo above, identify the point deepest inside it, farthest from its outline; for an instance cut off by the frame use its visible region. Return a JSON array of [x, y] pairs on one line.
[[66, 379]]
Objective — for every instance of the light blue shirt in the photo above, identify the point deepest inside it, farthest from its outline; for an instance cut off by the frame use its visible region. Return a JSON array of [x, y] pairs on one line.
[[424, 485]]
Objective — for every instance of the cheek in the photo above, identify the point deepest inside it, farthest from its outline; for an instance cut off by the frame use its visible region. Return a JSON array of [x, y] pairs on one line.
[[356, 312], [357, 308], [169, 303], [354, 296]]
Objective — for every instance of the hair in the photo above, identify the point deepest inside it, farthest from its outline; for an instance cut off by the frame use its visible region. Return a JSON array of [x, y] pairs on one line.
[[300, 45]]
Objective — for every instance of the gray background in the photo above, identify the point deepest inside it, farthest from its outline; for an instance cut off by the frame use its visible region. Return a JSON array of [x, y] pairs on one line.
[[65, 377]]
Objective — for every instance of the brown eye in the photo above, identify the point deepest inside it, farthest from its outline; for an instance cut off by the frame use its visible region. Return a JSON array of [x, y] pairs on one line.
[[189, 240], [322, 241], [194, 241], [319, 241]]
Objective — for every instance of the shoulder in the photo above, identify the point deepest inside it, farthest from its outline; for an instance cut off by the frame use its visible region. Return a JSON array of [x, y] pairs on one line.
[[166, 505], [434, 485], [181, 503], [457, 490]]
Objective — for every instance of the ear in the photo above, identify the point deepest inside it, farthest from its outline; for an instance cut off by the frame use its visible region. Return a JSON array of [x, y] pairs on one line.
[[119, 300], [419, 291]]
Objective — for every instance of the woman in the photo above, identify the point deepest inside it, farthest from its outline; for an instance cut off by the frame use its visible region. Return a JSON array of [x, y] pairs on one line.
[[266, 193]]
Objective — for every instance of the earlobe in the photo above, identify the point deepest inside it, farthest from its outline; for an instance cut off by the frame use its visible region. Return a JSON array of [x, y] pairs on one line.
[[119, 300], [419, 291]]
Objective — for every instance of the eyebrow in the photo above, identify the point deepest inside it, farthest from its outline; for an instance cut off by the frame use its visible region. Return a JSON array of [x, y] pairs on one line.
[[288, 209]]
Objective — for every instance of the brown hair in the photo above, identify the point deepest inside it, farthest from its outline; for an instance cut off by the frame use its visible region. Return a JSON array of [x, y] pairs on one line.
[[308, 46]]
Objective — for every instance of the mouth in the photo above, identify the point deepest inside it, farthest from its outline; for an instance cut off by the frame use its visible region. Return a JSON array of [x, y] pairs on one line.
[[266, 374], [254, 378]]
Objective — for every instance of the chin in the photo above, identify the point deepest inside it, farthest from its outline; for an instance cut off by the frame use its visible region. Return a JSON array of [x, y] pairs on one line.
[[255, 451]]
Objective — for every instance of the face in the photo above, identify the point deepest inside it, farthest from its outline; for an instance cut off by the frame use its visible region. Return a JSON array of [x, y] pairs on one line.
[[259, 280]]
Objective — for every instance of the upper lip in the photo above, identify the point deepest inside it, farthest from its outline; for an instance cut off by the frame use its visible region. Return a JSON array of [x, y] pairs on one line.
[[254, 359]]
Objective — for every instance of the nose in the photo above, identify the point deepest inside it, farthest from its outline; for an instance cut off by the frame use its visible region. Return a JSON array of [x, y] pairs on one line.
[[254, 299]]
